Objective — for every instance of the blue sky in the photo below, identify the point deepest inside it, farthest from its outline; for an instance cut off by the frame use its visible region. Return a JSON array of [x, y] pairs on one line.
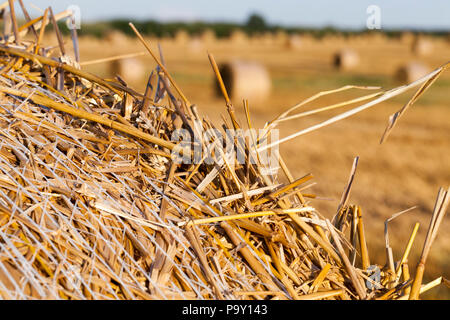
[[426, 14]]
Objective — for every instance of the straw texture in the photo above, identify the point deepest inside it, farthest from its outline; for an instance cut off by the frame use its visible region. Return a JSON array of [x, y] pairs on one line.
[[94, 206]]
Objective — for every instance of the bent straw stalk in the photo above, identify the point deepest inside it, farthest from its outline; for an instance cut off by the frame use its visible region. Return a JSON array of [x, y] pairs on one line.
[[428, 80]]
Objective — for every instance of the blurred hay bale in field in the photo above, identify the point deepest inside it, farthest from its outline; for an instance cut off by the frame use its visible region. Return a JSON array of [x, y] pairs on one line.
[[266, 39], [307, 39], [91, 40], [181, 37], [407, 38], [196, 45], [238, 37], [208, 36], [422, 46], [116, 38], [294, 42], [411, 72], [356, 39], [280, 38], [245, 80], [334, 38], [130, 69], [376, 37], [346, 59], [151, 38]]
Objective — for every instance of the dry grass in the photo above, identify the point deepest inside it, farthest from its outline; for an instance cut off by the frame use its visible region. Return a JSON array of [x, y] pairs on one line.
[[145, 228], [404, 172]]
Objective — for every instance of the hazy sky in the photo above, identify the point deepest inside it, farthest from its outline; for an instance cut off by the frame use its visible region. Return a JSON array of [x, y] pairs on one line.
[[428, 14]]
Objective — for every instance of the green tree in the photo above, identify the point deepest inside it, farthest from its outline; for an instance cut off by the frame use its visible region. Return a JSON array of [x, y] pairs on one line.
[[256, 23]]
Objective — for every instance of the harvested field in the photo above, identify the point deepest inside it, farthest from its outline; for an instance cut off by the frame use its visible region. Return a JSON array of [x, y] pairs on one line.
[[93, 206]]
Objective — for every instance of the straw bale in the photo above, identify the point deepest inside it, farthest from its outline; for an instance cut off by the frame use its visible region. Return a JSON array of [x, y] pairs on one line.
[[265, 39], [246, 80], [130, 69], [376, 37], [181, 37], [407, 38], [422, 46], [411, 72], [116, 38], [356, 40], [93, 205], [346, 59], [208, 36], [294, 42], [196, 45], [280, 37], [238, 37]]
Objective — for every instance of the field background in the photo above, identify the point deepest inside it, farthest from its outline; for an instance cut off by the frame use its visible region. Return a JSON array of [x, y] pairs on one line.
[[405, 171]]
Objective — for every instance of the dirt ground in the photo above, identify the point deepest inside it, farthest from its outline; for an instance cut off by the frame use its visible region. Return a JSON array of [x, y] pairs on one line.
[[405, 171]]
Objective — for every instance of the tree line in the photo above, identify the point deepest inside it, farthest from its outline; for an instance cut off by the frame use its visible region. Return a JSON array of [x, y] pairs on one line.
[[255, 24]]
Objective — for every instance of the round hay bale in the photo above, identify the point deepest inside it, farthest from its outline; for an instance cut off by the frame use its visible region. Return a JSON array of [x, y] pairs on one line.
[[130, 69], [280, 38], [376, 37], [407, 38], [90, 40], [307, 39], [238, 37], [267, 39], [356, 40], [411, 72], [422, 46], [346, 59], [294, 42], [116, 38], [245, 80], [196, 45], [181, 37], [208, 36]]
